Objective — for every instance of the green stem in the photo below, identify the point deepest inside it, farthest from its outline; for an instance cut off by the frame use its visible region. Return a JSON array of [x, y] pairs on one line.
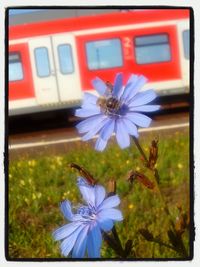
[[116, 237], [114, 243], [141, 150]]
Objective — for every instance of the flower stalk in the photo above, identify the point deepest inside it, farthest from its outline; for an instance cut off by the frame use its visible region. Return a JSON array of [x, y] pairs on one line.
[[114, 241]]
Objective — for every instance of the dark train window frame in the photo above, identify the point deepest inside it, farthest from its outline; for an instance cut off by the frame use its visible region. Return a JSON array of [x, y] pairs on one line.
[[36, 64], [153, 44], [71, 59], [186, 43], [105, 68], [17, 60]]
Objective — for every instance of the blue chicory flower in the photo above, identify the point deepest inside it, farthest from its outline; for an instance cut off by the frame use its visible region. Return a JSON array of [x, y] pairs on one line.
[[84, 233], [115, 111]]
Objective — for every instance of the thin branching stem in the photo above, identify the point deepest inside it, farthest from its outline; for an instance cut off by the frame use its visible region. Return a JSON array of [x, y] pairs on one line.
[[156, 179]]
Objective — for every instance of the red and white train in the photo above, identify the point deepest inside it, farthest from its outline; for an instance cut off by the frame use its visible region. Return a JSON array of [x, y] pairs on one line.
[[51, 63]]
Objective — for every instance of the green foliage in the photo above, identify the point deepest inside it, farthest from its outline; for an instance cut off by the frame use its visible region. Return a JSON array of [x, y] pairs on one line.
[[37, 184]]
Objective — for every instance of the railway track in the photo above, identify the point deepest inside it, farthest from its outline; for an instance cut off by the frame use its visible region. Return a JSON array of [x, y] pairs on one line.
[[57, 131], [65, 119], [52, 140]]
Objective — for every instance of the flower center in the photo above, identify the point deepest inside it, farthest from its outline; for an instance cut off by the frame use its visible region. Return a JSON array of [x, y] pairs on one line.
[[115, 107], [112, 106], [87, 212]]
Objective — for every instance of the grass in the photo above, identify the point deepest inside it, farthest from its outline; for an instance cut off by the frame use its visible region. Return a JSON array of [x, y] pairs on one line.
[[37, 184]]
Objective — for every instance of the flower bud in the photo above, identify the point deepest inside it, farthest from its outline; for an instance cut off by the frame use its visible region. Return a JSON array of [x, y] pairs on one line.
[[153, 153], [141, 178], [111, 187]]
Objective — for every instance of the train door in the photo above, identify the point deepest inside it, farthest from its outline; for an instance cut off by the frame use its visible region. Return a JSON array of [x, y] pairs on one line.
[[55, 69], [43, 69], [66, 65]]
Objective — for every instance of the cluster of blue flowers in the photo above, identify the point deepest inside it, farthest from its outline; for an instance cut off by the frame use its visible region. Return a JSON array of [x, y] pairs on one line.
[[116, 110]]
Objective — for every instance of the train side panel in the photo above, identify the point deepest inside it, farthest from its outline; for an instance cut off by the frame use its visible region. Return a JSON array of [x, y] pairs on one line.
[[51, 71], [20, 73], [54, 72], [184, 50], [151, 51]]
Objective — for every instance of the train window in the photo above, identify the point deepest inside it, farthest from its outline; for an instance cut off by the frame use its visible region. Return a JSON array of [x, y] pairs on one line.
[[104, 54], [186, 43], [15, 67], [65, 59], [152, 48], [42, 61]]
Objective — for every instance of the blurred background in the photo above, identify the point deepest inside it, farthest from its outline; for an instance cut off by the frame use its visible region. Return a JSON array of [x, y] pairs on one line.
[[53, 54]]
